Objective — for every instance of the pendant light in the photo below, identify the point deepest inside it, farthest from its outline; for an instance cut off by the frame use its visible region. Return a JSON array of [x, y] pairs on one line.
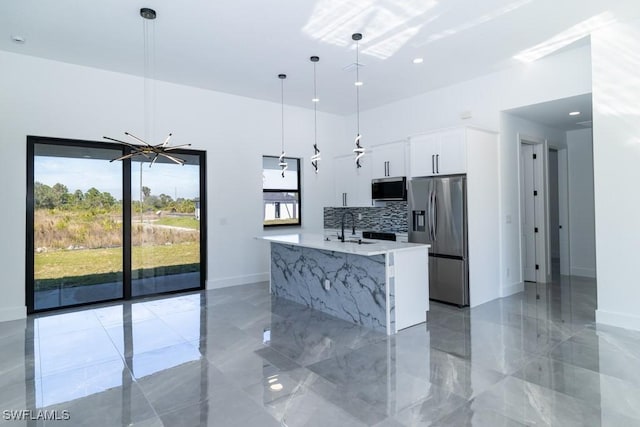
[[316, 151], [146, 150], [282, 163], [359, 149]]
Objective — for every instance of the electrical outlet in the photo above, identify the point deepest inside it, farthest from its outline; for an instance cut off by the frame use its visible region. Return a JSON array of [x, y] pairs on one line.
[[327, 284]]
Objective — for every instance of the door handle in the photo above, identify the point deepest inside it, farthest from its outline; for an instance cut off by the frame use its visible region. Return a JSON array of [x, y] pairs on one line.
[[438, 163], [435, 216], [430, 216]]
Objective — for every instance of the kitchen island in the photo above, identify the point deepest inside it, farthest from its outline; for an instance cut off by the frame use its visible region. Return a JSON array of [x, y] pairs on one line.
[[377, 284]]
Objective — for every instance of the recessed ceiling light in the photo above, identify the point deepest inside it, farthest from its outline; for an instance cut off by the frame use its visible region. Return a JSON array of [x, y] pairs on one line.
[[418, 60], [358, 83], [18, 39], [315, 100], [574, 113]]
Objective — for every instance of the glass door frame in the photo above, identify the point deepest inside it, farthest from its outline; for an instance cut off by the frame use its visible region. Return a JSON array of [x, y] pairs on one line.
[[126, 219]]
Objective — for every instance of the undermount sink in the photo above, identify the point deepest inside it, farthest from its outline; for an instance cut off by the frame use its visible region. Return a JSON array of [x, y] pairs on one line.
[[360, 242]]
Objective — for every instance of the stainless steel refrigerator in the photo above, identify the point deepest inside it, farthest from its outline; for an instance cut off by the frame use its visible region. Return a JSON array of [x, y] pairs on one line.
[[438, 216]]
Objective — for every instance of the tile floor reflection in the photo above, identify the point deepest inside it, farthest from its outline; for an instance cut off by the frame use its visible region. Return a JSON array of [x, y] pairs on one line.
[[240, 357]]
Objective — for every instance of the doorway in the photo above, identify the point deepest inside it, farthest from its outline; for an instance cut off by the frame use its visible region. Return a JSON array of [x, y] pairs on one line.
[[558, 178], [101, 230]]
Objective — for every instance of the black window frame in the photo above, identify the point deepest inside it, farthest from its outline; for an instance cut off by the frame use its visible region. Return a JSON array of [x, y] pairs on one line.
[[272, 190], [126, 211]]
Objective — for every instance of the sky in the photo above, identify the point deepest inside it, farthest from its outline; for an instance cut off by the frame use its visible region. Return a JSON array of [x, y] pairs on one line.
[[82, 174]]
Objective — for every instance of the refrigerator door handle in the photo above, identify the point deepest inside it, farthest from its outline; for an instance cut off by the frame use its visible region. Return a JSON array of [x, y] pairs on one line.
[[435, 215], [432, 235]]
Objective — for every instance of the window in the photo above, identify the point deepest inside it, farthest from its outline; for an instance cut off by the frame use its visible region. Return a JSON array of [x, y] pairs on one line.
[[281, 195]]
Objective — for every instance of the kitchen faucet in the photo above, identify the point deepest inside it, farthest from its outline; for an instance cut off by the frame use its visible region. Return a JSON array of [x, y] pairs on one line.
[[353, 224]]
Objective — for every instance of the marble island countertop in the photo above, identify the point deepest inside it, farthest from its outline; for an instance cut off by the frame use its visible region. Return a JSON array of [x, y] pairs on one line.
[[325, 242]]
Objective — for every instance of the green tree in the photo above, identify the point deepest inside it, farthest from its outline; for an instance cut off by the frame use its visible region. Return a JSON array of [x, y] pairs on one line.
[[44, 196], [165, 200], [60, 195]]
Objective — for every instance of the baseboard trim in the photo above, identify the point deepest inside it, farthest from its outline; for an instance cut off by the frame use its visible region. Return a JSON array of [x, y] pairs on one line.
[[621, 320], [13, 313], [224, 282], [583, 272], [514, 288]]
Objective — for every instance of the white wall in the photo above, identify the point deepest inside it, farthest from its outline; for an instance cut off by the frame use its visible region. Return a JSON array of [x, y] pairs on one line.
[[616, 154], [582, 239], [48, 98]]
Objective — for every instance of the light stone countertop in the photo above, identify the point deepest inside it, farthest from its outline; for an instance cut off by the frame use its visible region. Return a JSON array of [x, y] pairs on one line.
[[319, 241]]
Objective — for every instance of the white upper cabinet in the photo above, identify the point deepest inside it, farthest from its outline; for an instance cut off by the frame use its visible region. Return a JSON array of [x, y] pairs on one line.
[[388, 160], [439, 153], [352, 185]]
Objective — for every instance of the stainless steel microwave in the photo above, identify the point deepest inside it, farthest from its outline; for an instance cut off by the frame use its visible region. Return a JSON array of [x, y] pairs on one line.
[[389, 188]]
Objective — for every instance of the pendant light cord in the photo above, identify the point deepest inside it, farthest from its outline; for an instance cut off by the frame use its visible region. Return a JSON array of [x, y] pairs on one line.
[[357, 87], [149, 77], [282, 109], [315, 106]]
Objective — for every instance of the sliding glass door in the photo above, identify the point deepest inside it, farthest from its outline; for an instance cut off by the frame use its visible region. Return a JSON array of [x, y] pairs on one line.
[[101, 230], [165, 226]]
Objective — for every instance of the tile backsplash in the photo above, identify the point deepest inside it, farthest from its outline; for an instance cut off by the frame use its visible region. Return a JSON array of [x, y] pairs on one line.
[[390, 218]]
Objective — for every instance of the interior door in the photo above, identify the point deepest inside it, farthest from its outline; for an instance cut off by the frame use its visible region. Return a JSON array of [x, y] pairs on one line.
[[527, 210]]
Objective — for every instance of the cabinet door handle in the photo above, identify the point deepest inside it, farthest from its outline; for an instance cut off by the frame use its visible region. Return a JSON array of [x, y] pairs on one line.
[[386, 168], [438, 163], [433, 163], [344, 197]]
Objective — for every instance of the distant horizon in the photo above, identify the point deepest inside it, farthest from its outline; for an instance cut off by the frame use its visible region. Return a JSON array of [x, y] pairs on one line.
[[82, 174]]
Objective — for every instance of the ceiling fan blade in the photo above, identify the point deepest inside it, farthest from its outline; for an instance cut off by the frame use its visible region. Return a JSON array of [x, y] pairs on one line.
[[154, 159], [166, 141]]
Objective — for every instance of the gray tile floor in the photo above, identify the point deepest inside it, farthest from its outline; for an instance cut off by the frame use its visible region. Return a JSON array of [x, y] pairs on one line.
[[238, 357]]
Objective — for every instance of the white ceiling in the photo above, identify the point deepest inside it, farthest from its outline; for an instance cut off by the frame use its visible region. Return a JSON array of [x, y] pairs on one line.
[[239, 46], [555, 114]]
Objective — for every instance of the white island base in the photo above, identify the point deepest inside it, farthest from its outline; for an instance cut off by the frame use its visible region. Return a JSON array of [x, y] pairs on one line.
[[379, 285]]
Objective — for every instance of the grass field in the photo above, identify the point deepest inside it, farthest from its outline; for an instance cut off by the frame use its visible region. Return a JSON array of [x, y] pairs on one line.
[[185, 222], [91, 266]]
